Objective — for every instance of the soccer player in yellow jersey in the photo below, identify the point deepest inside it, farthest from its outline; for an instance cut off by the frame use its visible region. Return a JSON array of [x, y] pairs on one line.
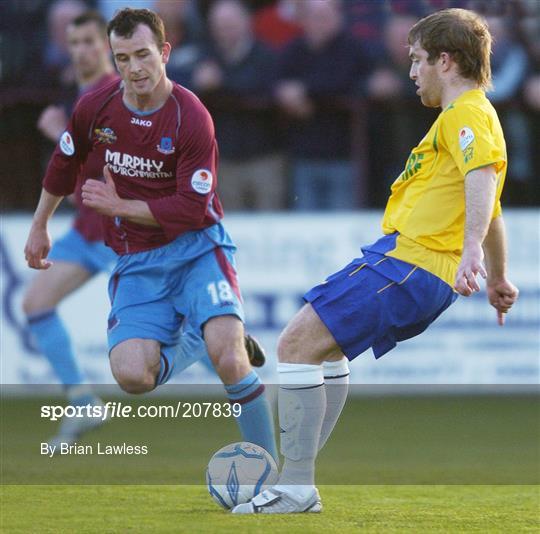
[[442, 221]]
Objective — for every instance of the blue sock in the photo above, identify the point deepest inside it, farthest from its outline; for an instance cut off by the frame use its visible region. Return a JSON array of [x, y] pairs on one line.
[[166, 368], [255, 421], [52, 339], [175, 358]]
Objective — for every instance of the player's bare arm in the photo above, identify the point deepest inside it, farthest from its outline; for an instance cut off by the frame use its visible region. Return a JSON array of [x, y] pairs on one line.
[[480, 187], [102, 197], [502, 294], [38, 243]]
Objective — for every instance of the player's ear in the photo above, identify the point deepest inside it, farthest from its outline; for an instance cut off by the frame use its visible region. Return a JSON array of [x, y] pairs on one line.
[[444, 59], [165, 52]]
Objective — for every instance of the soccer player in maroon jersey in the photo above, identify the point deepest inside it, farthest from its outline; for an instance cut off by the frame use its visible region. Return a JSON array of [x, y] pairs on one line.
[[80, 253], [163, 217]]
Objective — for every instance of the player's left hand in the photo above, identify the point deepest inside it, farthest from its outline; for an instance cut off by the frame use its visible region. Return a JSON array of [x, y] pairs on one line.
[[102, 196], [502, 294], [470, 266], [37, 247]]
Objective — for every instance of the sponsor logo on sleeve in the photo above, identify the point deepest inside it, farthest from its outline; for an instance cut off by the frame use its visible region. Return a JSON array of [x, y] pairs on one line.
[[201, 181], [468, 154], [105, 135], [66, 144], [466, 137]]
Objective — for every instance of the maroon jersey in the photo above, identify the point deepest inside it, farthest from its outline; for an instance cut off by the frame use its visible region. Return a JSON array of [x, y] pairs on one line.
[[88, 222], [167, 157]]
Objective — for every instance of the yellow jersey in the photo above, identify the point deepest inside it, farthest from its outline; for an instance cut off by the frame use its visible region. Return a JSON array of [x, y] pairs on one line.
[[427, 201]]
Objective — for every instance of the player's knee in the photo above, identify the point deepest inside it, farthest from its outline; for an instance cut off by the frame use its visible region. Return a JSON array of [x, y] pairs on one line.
[[135, 366], [230, 359], [230, 364], [286, 348], [291, 349], [224, 338], [135, 382], [27, 305], [31, 305], [305, 340]]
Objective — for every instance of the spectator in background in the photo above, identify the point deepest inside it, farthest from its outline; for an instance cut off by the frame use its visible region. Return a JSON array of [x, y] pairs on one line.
[[509, 61], [366, 20], [109, 7], [509, 65], [532, 100], [530, 31], [529, 28], [182, 27], [326, 63], [277, 24], [56, 60], [88, 47], [80, 254], [396, 118], [23, 38], [233, 78], [391, 76], [532, 92]]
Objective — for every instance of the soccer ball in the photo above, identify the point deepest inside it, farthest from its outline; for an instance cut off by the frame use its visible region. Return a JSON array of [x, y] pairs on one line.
[[238, 472]]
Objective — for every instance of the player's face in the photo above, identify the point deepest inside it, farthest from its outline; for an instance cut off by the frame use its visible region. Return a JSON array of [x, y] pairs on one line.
[[426, 77], [139, 61], [87, 47]]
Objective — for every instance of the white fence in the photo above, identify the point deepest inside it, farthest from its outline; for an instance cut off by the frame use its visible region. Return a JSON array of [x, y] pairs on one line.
[[279, 258]]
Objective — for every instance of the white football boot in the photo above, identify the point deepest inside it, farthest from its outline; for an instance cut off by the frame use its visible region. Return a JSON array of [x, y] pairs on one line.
[[272, 501], [72, 428]]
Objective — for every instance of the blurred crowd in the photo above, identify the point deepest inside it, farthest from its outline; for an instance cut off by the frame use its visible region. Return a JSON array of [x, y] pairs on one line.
[[311, 99]]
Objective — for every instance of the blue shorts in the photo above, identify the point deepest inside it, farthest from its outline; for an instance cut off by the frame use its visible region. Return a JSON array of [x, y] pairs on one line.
[[191, 278], [376, 301], [93, 256]]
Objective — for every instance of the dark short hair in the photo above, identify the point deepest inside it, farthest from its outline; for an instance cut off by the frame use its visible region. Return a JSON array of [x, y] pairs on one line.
[[125, 22], [91, 16]]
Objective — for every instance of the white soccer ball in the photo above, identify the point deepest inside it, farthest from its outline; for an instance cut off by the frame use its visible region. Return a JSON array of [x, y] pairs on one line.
[[238, 472]]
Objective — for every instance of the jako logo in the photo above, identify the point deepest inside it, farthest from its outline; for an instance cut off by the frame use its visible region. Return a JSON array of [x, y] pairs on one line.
[[140, 122]]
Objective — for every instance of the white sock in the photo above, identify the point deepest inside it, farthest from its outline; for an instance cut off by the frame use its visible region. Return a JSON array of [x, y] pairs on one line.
[[336, 384], [302, 405]]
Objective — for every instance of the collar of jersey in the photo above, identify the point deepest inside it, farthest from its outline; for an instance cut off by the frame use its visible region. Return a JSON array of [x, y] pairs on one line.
[[463, 96], [138, 111]]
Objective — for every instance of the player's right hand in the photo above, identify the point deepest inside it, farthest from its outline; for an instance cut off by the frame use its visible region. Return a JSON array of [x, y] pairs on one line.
[[470, 266], [37, 248]]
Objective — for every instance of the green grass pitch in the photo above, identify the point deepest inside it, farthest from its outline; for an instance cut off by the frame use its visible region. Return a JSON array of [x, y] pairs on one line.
[[394, 464], [482, 509]]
